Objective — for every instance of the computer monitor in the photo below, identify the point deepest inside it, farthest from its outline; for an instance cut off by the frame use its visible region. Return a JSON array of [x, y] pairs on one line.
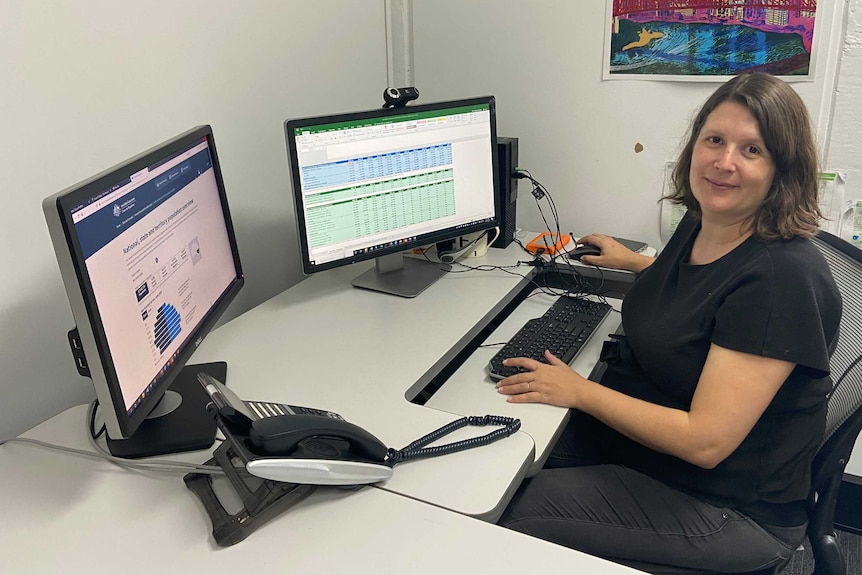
[[149, 260], [378, 183]]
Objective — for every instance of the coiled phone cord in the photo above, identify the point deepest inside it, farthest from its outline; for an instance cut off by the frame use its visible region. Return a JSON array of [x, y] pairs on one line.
[[417, 449]]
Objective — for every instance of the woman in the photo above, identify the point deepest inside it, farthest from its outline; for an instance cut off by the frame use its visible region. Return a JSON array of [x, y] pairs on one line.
[[695, 448]]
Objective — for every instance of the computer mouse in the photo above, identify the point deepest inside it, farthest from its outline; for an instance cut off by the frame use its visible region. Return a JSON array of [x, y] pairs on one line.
[[585, 250]]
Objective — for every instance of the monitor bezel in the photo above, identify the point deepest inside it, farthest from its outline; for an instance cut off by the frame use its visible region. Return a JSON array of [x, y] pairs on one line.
[[432, 238], [76, 279]]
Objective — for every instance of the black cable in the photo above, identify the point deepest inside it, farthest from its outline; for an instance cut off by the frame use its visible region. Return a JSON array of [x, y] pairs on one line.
[[487, 268], [417, 449], [480, 268], [540, 192], [561, 258], [93, 433]]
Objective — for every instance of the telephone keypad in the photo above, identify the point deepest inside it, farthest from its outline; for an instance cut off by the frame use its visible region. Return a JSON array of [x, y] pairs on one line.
[[266, 409], [312, 411]]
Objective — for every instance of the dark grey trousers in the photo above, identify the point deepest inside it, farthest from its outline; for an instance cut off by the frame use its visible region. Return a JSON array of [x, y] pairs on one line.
[[623, 515]]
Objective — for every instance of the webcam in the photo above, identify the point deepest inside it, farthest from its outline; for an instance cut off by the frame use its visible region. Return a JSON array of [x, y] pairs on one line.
[[398, 97]]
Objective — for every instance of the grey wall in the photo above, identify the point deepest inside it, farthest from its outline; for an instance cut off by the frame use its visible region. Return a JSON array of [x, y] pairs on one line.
[[86, 84]]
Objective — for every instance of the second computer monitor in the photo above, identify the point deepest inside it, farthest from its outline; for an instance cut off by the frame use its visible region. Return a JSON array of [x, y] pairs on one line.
[[378, 183]]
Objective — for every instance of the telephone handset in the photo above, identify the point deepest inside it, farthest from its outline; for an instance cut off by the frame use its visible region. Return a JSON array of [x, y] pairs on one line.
[[274, 436], [298, 444]]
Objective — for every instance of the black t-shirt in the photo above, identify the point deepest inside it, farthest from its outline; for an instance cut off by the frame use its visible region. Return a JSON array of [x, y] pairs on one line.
[[770, 298]]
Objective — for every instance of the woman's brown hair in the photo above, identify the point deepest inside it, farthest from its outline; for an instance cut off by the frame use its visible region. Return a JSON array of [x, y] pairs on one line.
[[790, 208]]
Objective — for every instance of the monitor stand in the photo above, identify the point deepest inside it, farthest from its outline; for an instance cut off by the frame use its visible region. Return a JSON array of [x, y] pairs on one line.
[[402, 276], [179, 422]]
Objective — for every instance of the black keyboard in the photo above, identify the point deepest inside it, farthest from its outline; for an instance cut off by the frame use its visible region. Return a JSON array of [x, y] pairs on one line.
[[564, 329]]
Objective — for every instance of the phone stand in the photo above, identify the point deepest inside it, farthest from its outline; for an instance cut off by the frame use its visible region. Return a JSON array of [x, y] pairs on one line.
[[262, 499]]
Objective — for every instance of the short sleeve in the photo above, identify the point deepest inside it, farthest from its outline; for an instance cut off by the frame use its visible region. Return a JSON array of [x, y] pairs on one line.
[[785, 306]]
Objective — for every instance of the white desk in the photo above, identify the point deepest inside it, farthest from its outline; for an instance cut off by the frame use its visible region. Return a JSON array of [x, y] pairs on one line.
[[324, 344], [68, 514]]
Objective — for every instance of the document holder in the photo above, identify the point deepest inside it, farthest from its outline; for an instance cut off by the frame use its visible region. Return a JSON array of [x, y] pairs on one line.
[[262, 499]]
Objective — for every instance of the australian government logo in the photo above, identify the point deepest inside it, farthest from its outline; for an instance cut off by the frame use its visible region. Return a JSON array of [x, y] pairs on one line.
[[123, 207]]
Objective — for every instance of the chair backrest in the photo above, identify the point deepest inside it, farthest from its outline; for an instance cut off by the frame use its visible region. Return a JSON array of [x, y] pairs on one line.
[[843, 416], [845, 261]]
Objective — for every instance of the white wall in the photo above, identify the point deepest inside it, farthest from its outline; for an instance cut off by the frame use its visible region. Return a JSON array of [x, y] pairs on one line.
[[543, 62], [844, 143], [85, 84]]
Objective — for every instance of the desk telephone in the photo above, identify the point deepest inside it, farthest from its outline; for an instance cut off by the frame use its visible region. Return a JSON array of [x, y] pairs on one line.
[[303, 445], [294, 448], [297, 444]]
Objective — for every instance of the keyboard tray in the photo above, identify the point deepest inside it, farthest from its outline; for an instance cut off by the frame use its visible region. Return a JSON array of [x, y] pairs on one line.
[[563, 329]]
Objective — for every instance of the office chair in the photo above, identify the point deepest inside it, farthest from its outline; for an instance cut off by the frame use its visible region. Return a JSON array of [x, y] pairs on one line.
[[843, 409], [844, 416]]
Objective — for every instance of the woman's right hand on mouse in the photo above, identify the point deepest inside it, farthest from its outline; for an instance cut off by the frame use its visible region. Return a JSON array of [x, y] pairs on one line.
[[614, 254]]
